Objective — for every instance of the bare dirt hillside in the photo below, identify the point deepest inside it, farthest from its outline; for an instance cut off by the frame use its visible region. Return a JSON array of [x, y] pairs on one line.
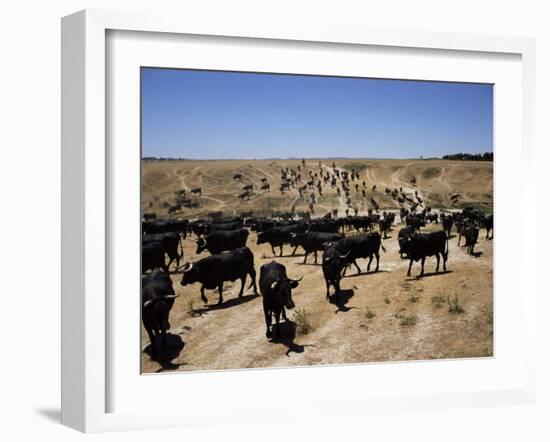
[[436, 181], [384, 316]]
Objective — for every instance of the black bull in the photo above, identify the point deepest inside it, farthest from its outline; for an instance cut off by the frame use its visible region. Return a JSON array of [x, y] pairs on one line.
[[169, 242], [276, 288], [278, 236], [312, 242], [157, 297], [222, 240], [471, 234], [339, 254], [334, 263], [421, 245], [403, 236], [166, 226], [447, 223], [152, 256], [361, 246], [211, 272]]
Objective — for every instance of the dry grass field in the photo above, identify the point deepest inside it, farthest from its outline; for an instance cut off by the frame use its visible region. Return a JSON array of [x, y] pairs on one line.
[[383, 316], [437, 180]]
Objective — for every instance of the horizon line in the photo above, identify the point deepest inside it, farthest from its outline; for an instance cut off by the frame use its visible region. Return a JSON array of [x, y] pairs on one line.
[[154, 158]]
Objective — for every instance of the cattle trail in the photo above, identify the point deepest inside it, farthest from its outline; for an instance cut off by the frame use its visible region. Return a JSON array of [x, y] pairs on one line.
[[444, 182], [341, 206], [182, 180], [268, 174], [220, 202], [294, 201]]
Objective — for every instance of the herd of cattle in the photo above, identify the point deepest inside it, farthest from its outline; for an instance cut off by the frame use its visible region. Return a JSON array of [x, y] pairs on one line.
[[340, 240], [309, 184]]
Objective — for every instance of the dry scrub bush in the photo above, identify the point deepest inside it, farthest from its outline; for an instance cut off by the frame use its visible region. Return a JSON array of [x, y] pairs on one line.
[[301, 318], [454, 305], [409, 321], [438, 301], [369, 314]]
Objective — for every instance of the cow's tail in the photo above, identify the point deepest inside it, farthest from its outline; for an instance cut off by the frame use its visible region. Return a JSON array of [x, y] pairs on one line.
[[181, 245]]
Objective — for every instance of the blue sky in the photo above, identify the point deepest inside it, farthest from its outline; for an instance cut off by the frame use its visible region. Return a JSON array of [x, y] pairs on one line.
[[213, 114]]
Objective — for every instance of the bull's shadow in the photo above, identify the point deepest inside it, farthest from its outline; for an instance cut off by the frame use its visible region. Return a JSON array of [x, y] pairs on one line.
[[428, 275], [288, 255], [165, 354], [340, 299], [476, 254], [286, 335], [231, 302], [370, 272]]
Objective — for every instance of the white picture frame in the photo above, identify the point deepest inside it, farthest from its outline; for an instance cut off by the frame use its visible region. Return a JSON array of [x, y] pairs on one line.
[[85, 198]]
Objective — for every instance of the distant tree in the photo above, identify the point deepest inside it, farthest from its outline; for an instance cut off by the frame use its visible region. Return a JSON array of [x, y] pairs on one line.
[[487, 156], [163, 159]]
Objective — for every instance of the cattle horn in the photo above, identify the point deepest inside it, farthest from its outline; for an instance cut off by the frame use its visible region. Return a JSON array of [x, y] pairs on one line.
[[299, 279], [274, 285], [345, 256], [188, 266], [150, 301]]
